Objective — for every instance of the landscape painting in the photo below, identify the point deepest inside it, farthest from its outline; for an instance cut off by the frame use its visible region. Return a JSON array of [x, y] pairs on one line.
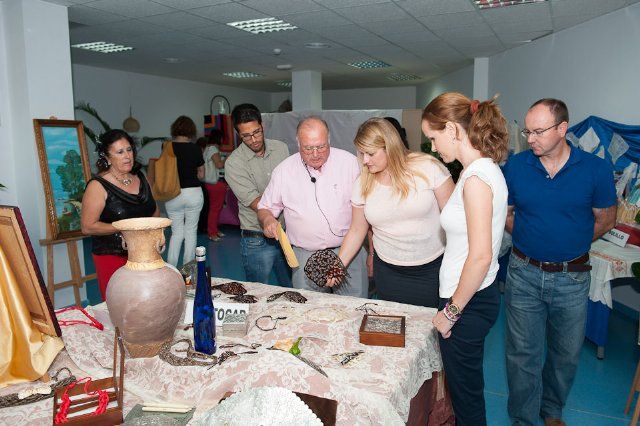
[[65, 170]]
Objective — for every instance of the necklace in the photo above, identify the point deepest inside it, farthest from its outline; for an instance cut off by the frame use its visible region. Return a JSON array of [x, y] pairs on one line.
[[125, 181]]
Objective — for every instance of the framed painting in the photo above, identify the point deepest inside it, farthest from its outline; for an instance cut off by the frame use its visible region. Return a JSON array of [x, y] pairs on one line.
[[64, 164], [18, 251]]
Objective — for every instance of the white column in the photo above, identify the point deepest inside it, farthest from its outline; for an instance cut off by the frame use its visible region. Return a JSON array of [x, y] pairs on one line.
[[35, 82], [481, 79], [306, 88]]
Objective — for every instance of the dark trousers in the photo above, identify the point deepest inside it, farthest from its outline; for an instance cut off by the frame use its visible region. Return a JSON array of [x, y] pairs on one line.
[[463, 352], [413, 285]]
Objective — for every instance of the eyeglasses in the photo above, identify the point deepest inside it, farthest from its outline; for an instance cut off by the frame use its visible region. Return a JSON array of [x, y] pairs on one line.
[[319, 149], [253, 135], [526, 133]]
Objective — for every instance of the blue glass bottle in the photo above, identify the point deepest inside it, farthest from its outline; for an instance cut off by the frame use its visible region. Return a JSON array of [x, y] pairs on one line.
[[204, 320]]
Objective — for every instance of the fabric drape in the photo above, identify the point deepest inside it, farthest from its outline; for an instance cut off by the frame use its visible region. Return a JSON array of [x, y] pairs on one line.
[[25, 352]]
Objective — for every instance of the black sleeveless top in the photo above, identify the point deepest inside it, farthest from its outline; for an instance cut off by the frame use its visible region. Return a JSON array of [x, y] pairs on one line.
[[121, 205]]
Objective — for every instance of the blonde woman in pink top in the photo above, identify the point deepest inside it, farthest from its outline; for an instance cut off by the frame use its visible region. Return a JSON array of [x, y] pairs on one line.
[[400, 194]]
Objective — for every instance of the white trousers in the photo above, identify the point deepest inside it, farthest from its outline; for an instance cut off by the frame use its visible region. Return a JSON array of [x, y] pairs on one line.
[[184, 212]]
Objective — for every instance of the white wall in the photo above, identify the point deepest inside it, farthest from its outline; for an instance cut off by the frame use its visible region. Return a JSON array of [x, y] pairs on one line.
[[8, 195], [457, 81], [375, 98], [156, 101], [35, 82], [594, 67]]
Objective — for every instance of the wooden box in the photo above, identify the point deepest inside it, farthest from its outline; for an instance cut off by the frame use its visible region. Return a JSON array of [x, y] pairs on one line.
[[114, 387], [382, 330]]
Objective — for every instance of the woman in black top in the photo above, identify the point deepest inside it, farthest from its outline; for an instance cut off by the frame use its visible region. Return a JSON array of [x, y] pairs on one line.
[[118, 191], [184, 210]]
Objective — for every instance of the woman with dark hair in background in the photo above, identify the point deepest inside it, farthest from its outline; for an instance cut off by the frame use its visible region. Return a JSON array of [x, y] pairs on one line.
[[216, 188], [118, 191], [184, 210], [401, 130], [474, 133]]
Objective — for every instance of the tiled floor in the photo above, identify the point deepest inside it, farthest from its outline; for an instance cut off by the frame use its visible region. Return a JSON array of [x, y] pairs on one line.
[[601, 387]]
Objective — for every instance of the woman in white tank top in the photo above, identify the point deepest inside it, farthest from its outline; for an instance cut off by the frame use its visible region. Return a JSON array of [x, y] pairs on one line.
[[473, 219]]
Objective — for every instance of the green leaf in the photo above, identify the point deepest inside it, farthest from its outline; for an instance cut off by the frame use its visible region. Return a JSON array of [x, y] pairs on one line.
[[84, 106]]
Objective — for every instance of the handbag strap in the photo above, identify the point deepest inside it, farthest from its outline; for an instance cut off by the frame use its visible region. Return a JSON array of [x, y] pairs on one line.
[[168, 148]]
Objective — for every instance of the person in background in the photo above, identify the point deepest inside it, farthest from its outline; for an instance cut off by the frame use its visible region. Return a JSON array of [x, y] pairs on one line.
[[400, 194], [560, 199], [119, 191], [204, 212], [247, 171], [313, 188], [401, 130], [215, 187], [474, 133], [184, 210]]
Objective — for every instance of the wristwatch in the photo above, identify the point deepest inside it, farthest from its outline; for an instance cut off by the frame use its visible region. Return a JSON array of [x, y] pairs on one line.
[[453, 311]]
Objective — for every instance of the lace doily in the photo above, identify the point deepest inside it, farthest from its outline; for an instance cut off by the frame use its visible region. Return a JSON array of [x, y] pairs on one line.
[[261, 406]]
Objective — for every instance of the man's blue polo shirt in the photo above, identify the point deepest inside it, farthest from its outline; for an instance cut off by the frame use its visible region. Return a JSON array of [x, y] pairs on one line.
[[553, 217]]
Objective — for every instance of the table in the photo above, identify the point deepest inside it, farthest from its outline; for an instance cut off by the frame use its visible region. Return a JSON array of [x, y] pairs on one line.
[[378, 389], [608, 261]]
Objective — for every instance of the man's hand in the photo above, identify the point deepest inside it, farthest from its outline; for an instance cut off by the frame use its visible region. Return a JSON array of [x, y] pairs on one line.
[[270, 227]]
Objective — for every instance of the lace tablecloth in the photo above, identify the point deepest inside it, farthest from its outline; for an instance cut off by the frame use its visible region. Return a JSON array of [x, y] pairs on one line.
[[608, 262], [375, 389]]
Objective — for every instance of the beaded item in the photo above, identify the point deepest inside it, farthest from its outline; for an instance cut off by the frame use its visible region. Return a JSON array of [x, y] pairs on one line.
[[193, 358], [324, 265], [14, 399], [346, 357], [229, 354], [274, 320], [291, 296], [244, 298], [232, 287]]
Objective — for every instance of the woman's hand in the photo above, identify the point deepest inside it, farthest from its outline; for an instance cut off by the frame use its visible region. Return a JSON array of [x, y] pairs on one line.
[[442, 324]]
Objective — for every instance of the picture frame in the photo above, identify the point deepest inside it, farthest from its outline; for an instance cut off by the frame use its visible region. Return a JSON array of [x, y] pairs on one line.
[[65, 169], [17, 247]]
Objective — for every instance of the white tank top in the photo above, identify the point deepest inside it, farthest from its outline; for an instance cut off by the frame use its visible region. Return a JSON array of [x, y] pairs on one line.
[[454, 223]]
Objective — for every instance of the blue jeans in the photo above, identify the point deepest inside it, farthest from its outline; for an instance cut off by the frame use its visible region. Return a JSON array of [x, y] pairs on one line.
[[259, 256], [542, 307]]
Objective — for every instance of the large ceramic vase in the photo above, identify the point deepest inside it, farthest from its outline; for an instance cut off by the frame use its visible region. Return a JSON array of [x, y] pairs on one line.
[[146, 296]]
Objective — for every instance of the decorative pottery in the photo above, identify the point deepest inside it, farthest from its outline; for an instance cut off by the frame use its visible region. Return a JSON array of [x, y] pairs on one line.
[[146, 296]]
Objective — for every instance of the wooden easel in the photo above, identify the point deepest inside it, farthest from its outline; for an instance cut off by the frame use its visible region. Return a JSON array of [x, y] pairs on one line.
[[77, 279]]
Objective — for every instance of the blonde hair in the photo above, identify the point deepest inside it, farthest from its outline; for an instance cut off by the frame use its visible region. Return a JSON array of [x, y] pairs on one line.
[[377, 133]]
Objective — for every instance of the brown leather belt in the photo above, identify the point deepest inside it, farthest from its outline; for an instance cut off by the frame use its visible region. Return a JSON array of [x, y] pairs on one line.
[[579, 264]]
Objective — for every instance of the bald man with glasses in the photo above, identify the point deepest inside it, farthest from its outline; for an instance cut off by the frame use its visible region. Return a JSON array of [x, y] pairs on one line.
[[560, 199], [248, 171], [313, 189]]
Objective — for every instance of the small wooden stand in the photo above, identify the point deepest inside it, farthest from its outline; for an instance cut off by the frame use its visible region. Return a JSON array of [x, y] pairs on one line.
[[77, 280], [382, 338], [114, 387]]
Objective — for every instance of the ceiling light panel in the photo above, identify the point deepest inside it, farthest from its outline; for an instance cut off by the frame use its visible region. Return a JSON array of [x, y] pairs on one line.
[[102, 47], [284, 83], [242, 74], [264, 25], [489, 4], [398, 76], [365, 65]]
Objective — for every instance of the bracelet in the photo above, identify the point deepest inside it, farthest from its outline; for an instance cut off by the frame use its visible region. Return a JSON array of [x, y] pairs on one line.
[[448, 317], [451, 311]]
